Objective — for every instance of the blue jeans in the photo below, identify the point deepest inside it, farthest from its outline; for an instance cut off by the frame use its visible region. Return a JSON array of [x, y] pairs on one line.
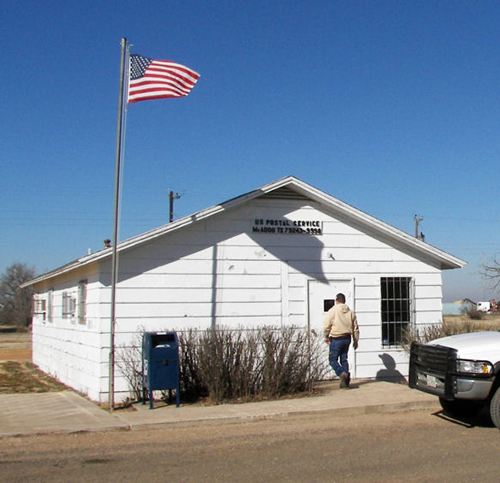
[[338, 351]]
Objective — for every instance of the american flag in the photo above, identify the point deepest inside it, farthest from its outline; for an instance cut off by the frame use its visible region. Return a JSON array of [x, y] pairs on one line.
[[158, 79]]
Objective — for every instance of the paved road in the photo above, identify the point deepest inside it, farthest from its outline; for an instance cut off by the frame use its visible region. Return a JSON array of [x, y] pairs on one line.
[[413, 446]]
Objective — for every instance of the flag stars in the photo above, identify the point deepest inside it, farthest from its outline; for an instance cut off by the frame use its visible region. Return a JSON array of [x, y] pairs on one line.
[[138, 66]]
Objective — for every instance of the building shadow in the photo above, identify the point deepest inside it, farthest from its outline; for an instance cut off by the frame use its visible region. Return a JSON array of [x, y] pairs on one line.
[[390, 373]]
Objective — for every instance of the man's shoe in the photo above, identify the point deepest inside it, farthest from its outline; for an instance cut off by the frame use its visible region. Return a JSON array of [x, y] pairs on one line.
[[344, 378]]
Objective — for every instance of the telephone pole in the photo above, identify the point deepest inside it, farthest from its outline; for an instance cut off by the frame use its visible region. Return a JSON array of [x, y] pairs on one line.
[[171, 197], [418, 219]]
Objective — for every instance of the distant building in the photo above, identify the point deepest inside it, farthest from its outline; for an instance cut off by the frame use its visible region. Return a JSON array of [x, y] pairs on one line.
[[484, 306]]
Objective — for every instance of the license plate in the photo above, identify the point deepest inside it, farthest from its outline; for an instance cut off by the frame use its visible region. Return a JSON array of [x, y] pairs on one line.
[[431, 381]]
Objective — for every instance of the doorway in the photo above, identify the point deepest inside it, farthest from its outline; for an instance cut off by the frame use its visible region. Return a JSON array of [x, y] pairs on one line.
[[321, 297]]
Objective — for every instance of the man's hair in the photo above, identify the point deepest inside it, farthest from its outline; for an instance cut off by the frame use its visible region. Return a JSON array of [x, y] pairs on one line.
[[340, 298]]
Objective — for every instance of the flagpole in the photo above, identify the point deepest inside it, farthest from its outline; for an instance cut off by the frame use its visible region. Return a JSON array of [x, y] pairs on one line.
[[114, 258]]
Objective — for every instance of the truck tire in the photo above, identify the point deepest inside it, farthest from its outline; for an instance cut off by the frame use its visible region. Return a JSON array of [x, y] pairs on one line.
[[460, 407], [495, 408]]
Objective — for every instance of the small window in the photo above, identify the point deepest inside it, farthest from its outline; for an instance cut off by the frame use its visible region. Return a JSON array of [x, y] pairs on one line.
[[68, 306], [395, 308], [40, 307], [328, 304]]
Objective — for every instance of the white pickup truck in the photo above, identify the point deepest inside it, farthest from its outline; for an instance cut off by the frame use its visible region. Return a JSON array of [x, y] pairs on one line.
[[462, 370]]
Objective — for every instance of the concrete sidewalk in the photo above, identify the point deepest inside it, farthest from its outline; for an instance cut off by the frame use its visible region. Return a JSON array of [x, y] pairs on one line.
[[52, 412], [28, 414]]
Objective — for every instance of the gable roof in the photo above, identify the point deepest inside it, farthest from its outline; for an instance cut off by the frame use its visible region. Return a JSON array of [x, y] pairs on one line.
[[287, 188]]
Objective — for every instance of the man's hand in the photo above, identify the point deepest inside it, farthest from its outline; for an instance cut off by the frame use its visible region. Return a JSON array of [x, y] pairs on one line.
[[327, 340], [355, 344]]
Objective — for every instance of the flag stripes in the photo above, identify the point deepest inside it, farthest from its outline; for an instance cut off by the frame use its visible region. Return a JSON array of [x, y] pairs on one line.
[[158, 79]]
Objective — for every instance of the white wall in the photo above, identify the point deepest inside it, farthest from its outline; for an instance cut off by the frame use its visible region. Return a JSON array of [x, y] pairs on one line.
[[64, 347], [218, 271]]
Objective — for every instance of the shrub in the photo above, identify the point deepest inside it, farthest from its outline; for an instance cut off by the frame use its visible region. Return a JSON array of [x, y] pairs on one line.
[[290, 363], [129, 363], [473, 313], [228, 364], [422, 334], [191, 380], [237, 364], [430, 332]]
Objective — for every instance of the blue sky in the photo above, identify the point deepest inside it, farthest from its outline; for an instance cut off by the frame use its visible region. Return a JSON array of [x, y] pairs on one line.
[[390, 106]]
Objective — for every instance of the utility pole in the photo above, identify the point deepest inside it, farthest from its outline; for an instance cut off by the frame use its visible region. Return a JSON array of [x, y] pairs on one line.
[[417, 220], [171, 197]]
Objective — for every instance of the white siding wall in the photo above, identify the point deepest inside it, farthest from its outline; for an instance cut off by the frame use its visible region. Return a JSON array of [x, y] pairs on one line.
[[64, 347], [219, 272]]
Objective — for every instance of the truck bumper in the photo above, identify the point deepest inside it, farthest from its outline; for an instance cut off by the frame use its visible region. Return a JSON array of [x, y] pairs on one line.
[[473, 388], [433, 370]]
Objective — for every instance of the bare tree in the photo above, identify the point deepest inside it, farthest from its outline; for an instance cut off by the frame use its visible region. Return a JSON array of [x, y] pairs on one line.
[[491, 272], [15, 302]]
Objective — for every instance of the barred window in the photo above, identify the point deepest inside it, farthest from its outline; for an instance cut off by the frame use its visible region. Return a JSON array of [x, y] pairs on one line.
[[395, 308], [40, 307]]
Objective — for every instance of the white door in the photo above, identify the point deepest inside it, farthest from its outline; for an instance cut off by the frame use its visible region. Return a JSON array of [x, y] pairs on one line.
[[321, 296]]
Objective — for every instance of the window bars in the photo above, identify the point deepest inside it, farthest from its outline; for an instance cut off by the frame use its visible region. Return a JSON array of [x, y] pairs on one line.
[[395, 308]]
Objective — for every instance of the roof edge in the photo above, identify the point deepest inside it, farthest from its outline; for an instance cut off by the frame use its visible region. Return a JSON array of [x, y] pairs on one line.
[[446, 260]]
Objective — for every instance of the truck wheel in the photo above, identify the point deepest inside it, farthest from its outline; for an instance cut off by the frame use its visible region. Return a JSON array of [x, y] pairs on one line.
[[495, 408], [460, 407]]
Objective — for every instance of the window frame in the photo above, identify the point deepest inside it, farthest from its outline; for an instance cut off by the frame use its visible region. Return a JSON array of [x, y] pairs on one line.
[[396, 308], [82, 302], [40, 306], [50, 305], [68, 306]]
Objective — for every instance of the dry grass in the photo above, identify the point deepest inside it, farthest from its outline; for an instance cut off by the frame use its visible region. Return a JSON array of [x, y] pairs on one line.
[[25, 377], [17, 373], [452, 325], [458, 322]]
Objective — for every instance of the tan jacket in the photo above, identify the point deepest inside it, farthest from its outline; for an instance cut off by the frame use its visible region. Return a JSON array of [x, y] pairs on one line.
[[340, 320]]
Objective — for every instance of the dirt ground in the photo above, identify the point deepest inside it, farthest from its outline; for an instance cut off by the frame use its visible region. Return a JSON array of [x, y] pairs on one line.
[[17, 373], [15, 346]]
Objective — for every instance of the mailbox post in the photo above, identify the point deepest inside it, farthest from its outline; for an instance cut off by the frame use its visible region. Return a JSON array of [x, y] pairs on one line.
[[160, 359]]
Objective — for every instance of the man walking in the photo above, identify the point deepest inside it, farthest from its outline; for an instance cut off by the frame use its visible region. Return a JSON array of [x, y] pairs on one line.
[[340, 327]]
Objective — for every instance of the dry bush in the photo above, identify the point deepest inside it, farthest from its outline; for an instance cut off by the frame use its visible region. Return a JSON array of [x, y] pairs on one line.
[[426, 333], [191, 380], [239, 364], [230, 364], [236, 364], [129, 363], [422, 334], [291, 362], [473, 313]]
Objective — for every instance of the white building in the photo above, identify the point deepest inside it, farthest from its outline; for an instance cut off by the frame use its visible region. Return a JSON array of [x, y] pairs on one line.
[[274, 256], [484, 306]]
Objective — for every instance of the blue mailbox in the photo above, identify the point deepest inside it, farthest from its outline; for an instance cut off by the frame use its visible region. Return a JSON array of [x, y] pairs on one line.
[[160, 359]]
